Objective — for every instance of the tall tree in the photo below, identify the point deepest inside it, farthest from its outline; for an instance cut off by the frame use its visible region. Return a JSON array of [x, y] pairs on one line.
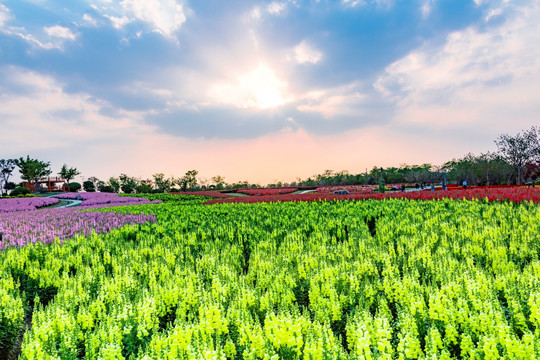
[[68, 173], [219, 181], [162, 183], [188, 181], [128, 184], [33, 169], [6, 169], [519, 150]]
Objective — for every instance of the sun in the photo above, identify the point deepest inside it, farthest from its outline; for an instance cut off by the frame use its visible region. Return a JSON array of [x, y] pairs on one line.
[[259, 88]]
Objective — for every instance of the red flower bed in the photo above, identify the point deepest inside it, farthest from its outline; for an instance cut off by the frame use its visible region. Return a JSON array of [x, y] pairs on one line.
[[513, 194], [215, 194], [266, 192]]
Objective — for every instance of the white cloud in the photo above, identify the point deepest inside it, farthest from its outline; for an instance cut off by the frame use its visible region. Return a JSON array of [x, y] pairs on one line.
[[260, 88], [490, 77], [88, 19], [276, 8], [44, 116], [163, 16], [118, 22], [493, 13], [60, 32], [426, 8], [166, 16], [4, 15], [305, 53], [344, 100], [353, 3]]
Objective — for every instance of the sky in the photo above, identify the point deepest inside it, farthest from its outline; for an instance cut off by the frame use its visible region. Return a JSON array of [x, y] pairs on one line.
[[263, 90]]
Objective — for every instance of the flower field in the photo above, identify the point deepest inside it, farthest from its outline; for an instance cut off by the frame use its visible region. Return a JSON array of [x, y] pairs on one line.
[[99, 200], [390, 279], [513, 194], [23, 204], [269, 191]]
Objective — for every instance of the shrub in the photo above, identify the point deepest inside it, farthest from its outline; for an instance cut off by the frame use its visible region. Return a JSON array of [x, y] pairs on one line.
[[74, 186], [20, 190], [107, 189], [88, 185]]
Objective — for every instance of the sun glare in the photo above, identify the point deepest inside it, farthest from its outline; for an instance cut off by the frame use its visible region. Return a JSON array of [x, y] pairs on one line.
[[259, 88]]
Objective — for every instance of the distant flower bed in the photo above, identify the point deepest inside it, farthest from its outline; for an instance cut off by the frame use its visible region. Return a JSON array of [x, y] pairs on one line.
[[28, 227], [99, 199], [214, 194], [353, 189], [264, 192], [512, 194], [25, 203]]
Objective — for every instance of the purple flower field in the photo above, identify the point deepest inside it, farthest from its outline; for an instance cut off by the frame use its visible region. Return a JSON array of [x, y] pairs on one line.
[[92, 200], [22, 204], [20, 228]]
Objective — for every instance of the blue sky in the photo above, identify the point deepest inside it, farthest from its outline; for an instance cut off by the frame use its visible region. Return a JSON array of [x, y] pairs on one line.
[[263, 90]]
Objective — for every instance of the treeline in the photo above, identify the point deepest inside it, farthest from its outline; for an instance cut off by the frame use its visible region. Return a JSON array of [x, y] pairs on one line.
[[516, 161]]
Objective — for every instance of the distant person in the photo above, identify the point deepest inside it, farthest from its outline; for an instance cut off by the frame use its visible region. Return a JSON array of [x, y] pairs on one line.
[[465, 184], [432, 187], [402, 187]]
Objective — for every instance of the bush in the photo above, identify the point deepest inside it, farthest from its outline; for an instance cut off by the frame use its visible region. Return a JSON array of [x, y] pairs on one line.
[[157, 191], [88, 185], [20, 190], [107, 189], [74, 186]]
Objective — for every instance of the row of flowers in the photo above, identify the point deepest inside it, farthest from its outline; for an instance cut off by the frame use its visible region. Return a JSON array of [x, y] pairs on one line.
[[98, 199], [265, 192], [23, 204], [513, 194], [47, 225]]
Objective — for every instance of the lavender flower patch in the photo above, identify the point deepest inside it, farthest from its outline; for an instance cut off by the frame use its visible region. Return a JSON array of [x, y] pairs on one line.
[[29, 227], [95, 199], [22, 204]]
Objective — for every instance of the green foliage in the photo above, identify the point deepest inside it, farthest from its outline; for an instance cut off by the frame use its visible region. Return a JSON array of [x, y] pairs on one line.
[[68, 173], [88, 186], [33, 169], [20, 190], [74, 186], [391, 279]]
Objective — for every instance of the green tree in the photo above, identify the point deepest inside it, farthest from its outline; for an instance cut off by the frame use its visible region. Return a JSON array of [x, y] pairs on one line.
[[68, 174], [188, 181], [128, 184], [162, 183], [6, 170], [33, 169], [114, 183]]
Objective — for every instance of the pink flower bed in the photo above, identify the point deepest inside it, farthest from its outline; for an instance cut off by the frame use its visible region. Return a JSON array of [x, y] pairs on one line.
[[22, 204], [28, 227]]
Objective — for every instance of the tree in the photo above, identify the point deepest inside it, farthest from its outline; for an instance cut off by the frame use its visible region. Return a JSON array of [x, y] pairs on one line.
[[89, 186], [219, 181], [114, 183], [6, 170], [188, 181], [128, 184], [162, 183], [33, 169], [519, 150], [68, 174]]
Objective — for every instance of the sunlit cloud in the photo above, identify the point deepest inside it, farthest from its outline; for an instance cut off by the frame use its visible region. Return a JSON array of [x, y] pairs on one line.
[[260, 88], [305, 53], [163, 16]]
